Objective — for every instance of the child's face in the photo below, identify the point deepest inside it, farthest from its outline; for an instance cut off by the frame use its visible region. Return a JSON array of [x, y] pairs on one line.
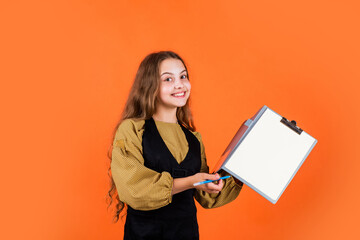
[[174, 84]]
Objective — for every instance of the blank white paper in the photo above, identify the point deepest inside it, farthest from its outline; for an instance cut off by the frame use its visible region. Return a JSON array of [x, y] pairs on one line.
[[269, 156]]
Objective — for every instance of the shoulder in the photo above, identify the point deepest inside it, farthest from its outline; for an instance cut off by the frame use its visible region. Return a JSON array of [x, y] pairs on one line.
[[130, 128], [197, 135]]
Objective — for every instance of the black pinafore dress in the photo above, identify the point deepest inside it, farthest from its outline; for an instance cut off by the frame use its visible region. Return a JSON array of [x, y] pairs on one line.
[[176, 220]]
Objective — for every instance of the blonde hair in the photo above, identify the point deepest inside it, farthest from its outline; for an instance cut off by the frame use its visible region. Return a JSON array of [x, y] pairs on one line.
[[141, 105]]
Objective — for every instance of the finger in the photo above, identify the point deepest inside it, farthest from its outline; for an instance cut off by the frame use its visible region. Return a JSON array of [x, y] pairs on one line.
[[214, 187], [212, 176], [221, 183], [211, 191], [214, 191]]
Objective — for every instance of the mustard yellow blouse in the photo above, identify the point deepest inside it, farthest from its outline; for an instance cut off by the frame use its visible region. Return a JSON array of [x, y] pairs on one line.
[[145, 189]]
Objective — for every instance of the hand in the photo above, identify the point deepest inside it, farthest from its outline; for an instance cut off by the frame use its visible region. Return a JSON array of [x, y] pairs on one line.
[[212, 187]]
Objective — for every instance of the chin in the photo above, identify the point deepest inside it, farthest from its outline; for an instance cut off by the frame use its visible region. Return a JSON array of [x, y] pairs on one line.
[[182, 104], [176, 105]]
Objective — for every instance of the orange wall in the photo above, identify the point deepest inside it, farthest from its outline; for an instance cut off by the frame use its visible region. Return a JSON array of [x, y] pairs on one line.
[[66, 68]]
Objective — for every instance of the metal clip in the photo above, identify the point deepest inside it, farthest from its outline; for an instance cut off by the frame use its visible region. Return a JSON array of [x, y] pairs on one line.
[[291, 125]]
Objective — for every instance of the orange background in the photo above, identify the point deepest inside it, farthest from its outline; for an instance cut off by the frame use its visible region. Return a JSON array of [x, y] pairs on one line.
[[66, 68]]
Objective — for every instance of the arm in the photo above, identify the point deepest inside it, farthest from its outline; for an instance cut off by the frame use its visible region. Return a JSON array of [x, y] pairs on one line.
[[182, 184], [229, 192], [138, 186]]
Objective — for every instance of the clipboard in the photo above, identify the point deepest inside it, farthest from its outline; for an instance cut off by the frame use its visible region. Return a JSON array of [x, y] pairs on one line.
[[266, 153]]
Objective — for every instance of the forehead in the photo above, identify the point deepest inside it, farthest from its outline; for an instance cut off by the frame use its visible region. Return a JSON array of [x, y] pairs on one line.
[[171, 65]]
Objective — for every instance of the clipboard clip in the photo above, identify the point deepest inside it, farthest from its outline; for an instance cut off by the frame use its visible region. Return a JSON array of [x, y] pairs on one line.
[[291, 125]]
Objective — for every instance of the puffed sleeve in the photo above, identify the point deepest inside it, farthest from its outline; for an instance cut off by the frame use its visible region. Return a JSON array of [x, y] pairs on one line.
[[229, 192], [138, 186]]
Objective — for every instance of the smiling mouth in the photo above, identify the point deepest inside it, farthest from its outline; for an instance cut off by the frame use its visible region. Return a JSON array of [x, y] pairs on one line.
[[181, 94]]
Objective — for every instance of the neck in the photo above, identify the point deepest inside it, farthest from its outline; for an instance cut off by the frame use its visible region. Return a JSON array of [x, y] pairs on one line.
[[165, 115]]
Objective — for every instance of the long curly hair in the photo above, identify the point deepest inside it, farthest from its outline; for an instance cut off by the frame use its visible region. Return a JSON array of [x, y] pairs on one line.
[[141, 105]]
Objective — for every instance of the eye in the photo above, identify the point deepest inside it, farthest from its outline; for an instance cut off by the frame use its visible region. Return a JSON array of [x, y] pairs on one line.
[[184, 76], [168, 79]]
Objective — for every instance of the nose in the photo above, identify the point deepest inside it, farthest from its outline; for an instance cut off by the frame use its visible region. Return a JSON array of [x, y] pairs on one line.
[[178, 83]]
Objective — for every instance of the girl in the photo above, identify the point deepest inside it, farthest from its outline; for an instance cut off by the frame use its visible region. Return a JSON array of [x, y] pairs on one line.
[[157, 156]]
